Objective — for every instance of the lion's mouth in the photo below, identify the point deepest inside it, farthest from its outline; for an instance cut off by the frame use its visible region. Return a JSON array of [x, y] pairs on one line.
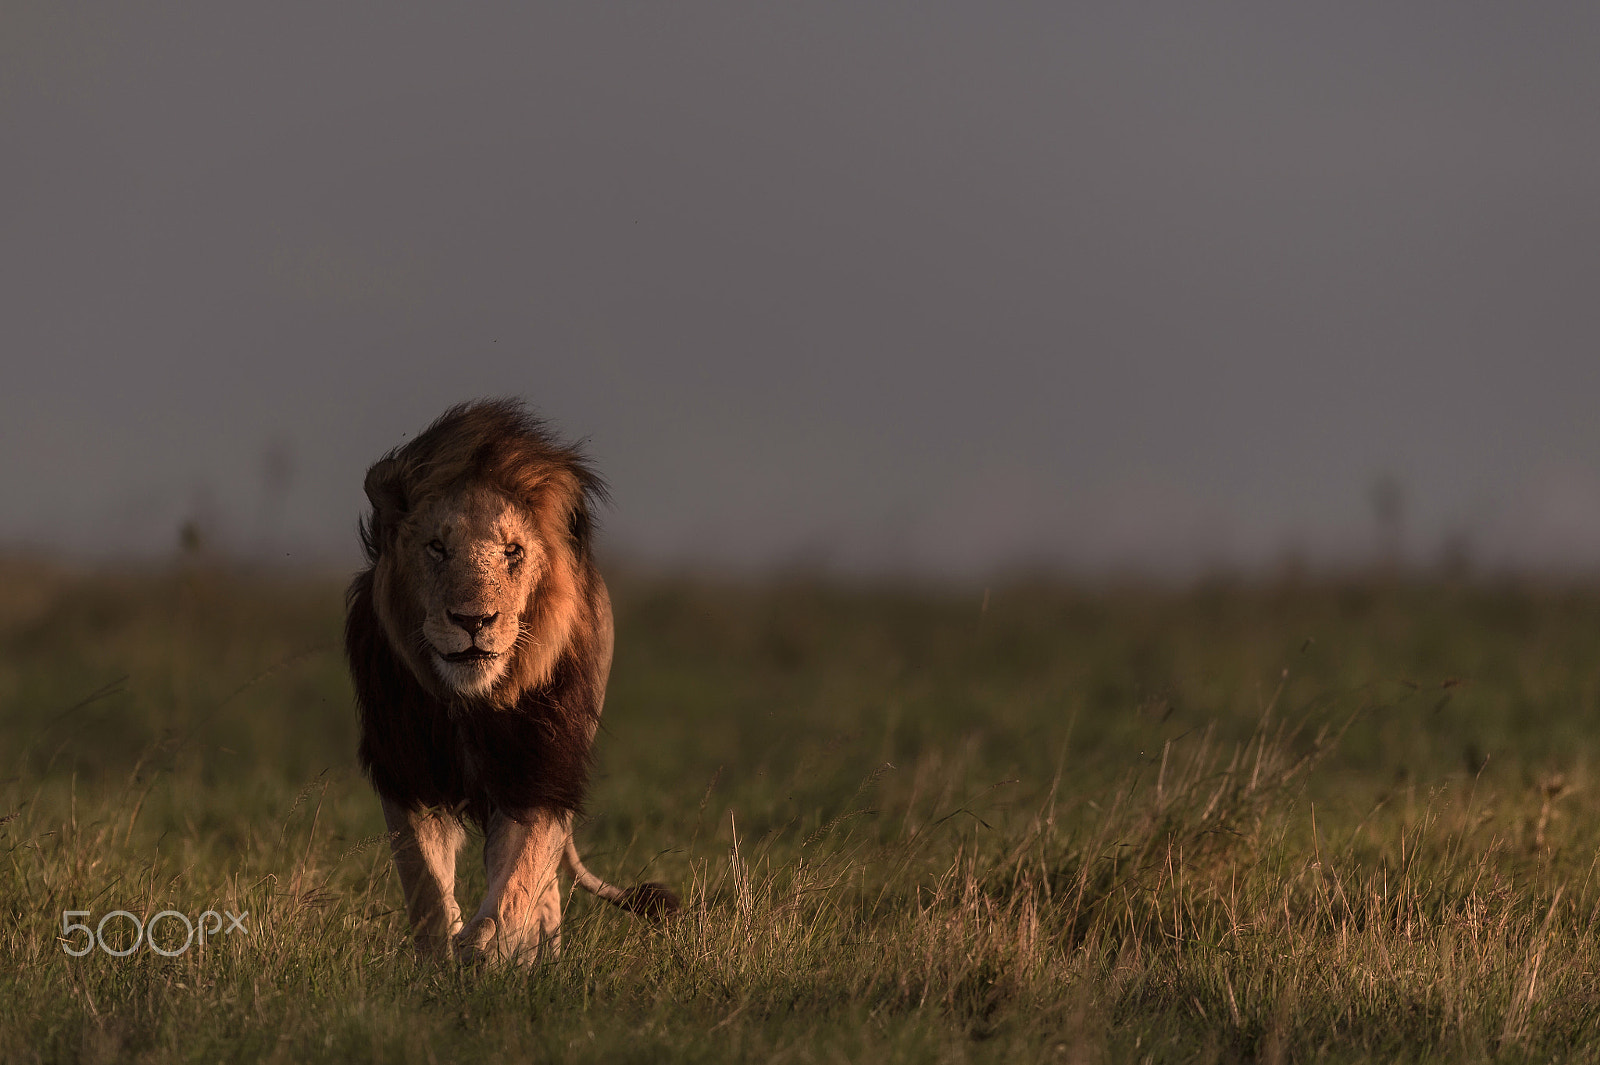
[[471, 654]]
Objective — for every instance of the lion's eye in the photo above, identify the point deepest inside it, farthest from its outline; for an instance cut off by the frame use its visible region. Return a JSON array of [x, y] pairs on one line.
[[514, 552], [436, 549]]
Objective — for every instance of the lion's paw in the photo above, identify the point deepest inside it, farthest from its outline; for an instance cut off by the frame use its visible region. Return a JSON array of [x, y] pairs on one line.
[[475, 942]]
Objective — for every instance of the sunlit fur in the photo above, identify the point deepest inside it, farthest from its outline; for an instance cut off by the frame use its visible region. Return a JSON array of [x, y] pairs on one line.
[[479, 638], [483, 560], [480, 478]]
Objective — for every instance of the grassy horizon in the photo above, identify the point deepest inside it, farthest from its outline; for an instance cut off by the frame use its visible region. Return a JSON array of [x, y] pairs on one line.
[[1350, 820]]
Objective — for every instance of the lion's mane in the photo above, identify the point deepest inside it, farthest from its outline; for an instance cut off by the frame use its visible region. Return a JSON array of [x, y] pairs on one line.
[[528, 746]]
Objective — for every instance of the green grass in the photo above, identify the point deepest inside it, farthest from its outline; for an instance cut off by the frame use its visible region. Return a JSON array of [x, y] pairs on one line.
[[1342, 821]]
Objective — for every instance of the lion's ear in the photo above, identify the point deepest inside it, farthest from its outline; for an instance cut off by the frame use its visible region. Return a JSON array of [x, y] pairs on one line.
[[562, 508], [580, 527], [386, 489]]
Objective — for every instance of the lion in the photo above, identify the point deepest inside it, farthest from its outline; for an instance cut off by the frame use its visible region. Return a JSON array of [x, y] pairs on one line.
[[479, 638]]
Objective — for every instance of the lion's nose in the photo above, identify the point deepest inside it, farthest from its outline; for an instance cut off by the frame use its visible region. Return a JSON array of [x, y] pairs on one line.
[[473, 623]]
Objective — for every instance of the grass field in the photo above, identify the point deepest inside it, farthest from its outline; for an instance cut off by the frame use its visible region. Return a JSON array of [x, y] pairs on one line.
[[1345, 821]]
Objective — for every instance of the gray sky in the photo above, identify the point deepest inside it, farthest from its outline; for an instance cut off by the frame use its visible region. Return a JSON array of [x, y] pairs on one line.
[[907, 286]]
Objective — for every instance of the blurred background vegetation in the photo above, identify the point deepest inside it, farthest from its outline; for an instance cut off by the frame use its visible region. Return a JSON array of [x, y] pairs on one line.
[[781, 696]]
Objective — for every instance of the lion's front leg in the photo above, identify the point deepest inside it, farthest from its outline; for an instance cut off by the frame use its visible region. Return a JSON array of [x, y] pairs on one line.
[[521, 912], [424, 844]]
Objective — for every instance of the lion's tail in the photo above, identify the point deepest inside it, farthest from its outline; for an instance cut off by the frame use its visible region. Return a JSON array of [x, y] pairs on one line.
[[648, 900]]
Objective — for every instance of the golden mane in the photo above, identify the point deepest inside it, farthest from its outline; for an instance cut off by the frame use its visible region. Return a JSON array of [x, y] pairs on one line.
[[494, 444]]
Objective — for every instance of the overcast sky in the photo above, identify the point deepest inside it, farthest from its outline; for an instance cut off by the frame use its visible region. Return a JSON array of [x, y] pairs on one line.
[[917, 287]]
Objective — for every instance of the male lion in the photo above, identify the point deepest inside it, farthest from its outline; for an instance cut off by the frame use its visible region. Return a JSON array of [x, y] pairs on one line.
[[479, 638]]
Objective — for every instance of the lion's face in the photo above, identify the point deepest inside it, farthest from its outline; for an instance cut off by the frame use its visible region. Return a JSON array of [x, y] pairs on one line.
[[474, 562]]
